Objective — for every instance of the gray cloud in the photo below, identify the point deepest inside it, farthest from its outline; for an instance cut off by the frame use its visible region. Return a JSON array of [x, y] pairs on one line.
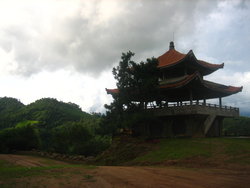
[[89, 45], [82, 39]]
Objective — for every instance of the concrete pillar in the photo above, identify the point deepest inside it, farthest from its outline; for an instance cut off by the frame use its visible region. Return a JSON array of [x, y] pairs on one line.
[[204, 102], [220, 102]]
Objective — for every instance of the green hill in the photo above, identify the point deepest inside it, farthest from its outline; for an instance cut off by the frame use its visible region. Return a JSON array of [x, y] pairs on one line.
[[10, 112], [50, 125], [51, 112]]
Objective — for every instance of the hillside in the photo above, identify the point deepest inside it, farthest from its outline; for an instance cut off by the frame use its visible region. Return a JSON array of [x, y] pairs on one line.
[[188, 152], [49, 112], [50, 125], [10, 111]]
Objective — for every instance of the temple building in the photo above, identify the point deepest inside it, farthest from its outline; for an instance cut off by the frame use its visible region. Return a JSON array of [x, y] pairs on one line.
[[183, 108]]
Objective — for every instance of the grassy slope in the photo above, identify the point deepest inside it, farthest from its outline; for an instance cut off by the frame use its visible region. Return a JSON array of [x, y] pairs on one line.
[[209, 151], [19, 176]]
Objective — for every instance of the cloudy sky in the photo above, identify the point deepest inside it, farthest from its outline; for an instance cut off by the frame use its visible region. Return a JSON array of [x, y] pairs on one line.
[[66, 49]]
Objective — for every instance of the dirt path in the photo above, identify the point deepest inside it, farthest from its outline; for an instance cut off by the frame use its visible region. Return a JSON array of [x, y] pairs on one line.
[[29, 161], [119, 176], [170, 177]]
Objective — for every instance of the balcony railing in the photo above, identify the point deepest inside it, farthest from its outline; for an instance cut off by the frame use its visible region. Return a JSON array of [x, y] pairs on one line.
[[195, 104]]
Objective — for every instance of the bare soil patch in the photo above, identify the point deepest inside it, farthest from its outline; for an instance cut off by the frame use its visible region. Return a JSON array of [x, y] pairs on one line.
[[29, 161], [122, 176]]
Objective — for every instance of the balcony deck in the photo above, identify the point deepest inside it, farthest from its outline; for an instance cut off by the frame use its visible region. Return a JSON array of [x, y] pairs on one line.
[[195, 108]]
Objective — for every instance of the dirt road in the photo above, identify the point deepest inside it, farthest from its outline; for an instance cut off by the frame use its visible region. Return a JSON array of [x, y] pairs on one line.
[[119, 176]]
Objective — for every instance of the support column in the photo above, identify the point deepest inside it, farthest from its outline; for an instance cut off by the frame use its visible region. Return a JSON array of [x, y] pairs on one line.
[[220, 102], [166, 104], [204, 102]]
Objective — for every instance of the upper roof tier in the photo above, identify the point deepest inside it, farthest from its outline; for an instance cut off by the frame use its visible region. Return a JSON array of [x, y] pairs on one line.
[[172, 58]]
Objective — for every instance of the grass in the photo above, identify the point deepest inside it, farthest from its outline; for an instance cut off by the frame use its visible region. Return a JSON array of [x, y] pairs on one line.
[[89, 178], [25, 123], [238, 150], [232, 150], [175, 149], [8, 170], [12, 176]]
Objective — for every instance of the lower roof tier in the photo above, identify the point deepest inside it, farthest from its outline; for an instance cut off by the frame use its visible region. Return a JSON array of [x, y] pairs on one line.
[[189, 87]]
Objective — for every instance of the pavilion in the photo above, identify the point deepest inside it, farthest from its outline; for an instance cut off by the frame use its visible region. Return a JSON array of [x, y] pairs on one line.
[[183, 107]]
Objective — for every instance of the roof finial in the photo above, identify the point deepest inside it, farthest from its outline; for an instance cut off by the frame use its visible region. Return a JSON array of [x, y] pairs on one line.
[[171, 45]]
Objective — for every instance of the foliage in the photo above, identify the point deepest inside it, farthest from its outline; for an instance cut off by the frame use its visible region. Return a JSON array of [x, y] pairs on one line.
[[137, 85], [135, 82], [236, 126], [8, 104], [52, 112], [77, 138], [10, 112], [50, 125], [25, 137]]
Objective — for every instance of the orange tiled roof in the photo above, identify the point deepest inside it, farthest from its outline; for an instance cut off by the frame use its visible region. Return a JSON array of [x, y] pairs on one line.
[[206, 64], [233, 89], [222, 88], [228, 90], [172, 57], [112, 91], [182, 82]]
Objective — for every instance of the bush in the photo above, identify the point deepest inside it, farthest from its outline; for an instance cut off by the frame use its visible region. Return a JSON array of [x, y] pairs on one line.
[[236, 126], [19, 138], [78, 138]]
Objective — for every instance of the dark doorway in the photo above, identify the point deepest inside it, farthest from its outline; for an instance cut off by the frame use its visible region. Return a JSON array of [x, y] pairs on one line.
[[179, 126]]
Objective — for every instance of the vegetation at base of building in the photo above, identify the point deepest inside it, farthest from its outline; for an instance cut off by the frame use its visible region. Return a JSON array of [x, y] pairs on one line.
[[239, 126], [51, 125]]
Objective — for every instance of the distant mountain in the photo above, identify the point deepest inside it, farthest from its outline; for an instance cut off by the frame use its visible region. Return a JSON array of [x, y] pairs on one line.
[[52, 112], [49, 112], [8, 104], [10, 112]]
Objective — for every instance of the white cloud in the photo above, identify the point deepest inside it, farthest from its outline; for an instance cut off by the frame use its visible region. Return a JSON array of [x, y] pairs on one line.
[[64, 85]]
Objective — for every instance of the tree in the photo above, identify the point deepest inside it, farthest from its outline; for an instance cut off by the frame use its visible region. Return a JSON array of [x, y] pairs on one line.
[[137, 85], [145, 80], [135, 82]]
